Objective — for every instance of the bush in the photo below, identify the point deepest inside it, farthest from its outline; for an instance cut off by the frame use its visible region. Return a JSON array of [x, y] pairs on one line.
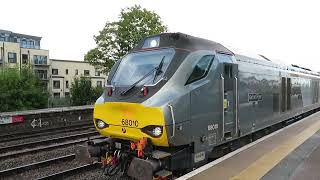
[[59, 102], [21, 90], [82, 93]]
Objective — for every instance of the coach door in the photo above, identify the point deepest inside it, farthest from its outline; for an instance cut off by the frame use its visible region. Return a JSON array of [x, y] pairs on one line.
[[284, 96], [229, 100]]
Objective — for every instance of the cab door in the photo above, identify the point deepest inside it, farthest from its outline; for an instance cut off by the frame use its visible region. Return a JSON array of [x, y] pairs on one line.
[[229, 100]]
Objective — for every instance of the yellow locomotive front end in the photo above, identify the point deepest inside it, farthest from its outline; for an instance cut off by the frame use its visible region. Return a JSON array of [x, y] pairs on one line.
[[131, 121]]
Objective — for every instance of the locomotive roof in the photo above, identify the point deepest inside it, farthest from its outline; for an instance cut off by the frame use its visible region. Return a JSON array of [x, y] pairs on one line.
[[184, 41], [188, 42]]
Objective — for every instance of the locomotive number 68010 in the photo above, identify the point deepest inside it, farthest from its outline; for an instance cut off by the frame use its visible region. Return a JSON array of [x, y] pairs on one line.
[[129, 122]]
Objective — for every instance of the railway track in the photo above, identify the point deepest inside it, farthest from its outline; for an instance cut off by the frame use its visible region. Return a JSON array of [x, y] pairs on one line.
[[40, 164], [45, 142], [71, 172], [44, 132], [45, 145], [17, 153]]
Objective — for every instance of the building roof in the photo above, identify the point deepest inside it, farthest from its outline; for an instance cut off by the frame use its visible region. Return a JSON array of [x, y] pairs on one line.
[[20, 35]]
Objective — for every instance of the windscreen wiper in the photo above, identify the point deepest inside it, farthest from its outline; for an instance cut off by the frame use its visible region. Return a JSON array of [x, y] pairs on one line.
[[145, 76], [159, 71]]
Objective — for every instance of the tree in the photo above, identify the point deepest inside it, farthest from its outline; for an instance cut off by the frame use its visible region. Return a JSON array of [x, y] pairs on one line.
[[119, 37], [82, 93], [21, 90]]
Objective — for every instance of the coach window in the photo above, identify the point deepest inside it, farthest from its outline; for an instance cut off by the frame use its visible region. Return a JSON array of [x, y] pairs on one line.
[[201, 69]]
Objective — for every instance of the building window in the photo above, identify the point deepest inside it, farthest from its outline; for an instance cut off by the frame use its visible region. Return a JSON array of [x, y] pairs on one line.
[[56, 84], [67, 71], [39, 59], [67, 84], [24, 43], [11, 39], [86, 72], [24, 58], [44, 85], [56, 95], [99, 83], [37, 44], [97, 72], [42, 74], [12, 57], [77, 72], [55, 71], [31, 44], [67, 94]]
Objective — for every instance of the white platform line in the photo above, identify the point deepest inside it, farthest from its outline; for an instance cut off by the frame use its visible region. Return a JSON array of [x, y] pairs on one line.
[[217, 161]]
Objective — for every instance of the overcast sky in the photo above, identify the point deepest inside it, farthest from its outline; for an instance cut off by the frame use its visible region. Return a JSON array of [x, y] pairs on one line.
[[279, 29]]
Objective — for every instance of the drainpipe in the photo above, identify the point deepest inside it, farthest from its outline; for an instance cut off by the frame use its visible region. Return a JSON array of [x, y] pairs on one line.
[[1, 56], [20, 60], [29, 62], [3, 60]]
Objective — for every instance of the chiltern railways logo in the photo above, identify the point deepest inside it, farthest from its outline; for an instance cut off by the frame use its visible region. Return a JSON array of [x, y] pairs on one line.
[[124, 130]]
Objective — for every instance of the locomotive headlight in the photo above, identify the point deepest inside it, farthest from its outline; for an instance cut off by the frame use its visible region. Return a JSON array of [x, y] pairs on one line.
[[151, 42], [157, 131], [101, 124], [153, 131]]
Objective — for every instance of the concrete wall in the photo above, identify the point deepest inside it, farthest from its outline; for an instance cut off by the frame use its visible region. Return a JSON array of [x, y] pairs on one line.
[[44, 119]]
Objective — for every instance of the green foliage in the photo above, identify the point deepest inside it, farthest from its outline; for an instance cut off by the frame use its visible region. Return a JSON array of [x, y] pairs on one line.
[[82, 93], [59, 102], [21, 90], [119, 37]]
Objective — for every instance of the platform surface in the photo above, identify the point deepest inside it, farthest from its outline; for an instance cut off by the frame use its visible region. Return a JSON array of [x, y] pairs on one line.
[[290, 153]]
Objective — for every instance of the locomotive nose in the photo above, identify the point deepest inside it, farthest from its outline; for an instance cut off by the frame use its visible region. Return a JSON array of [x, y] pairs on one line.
[[131, 121]]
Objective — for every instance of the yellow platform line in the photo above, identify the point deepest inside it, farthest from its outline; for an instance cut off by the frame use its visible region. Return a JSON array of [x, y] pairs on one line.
[[263, 165]]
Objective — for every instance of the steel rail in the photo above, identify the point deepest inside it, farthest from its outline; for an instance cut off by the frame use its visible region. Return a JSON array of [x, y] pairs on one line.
[[22, 135], [46, 148], [71, 172], [45, 142], [40, 164]]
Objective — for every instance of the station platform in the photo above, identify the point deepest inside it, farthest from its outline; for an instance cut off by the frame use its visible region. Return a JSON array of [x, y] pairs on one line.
[[291, 153]]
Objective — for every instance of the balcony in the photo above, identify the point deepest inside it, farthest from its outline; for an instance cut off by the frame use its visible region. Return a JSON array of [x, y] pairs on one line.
[[40, 64], [40, 60]]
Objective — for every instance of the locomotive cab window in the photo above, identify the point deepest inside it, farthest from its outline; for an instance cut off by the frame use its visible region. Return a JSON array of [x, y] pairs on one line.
[[143, 65], [201, 69]]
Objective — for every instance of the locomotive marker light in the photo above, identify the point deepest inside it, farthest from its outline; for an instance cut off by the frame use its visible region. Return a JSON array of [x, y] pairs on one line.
[[144, 91], [110, 91]]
